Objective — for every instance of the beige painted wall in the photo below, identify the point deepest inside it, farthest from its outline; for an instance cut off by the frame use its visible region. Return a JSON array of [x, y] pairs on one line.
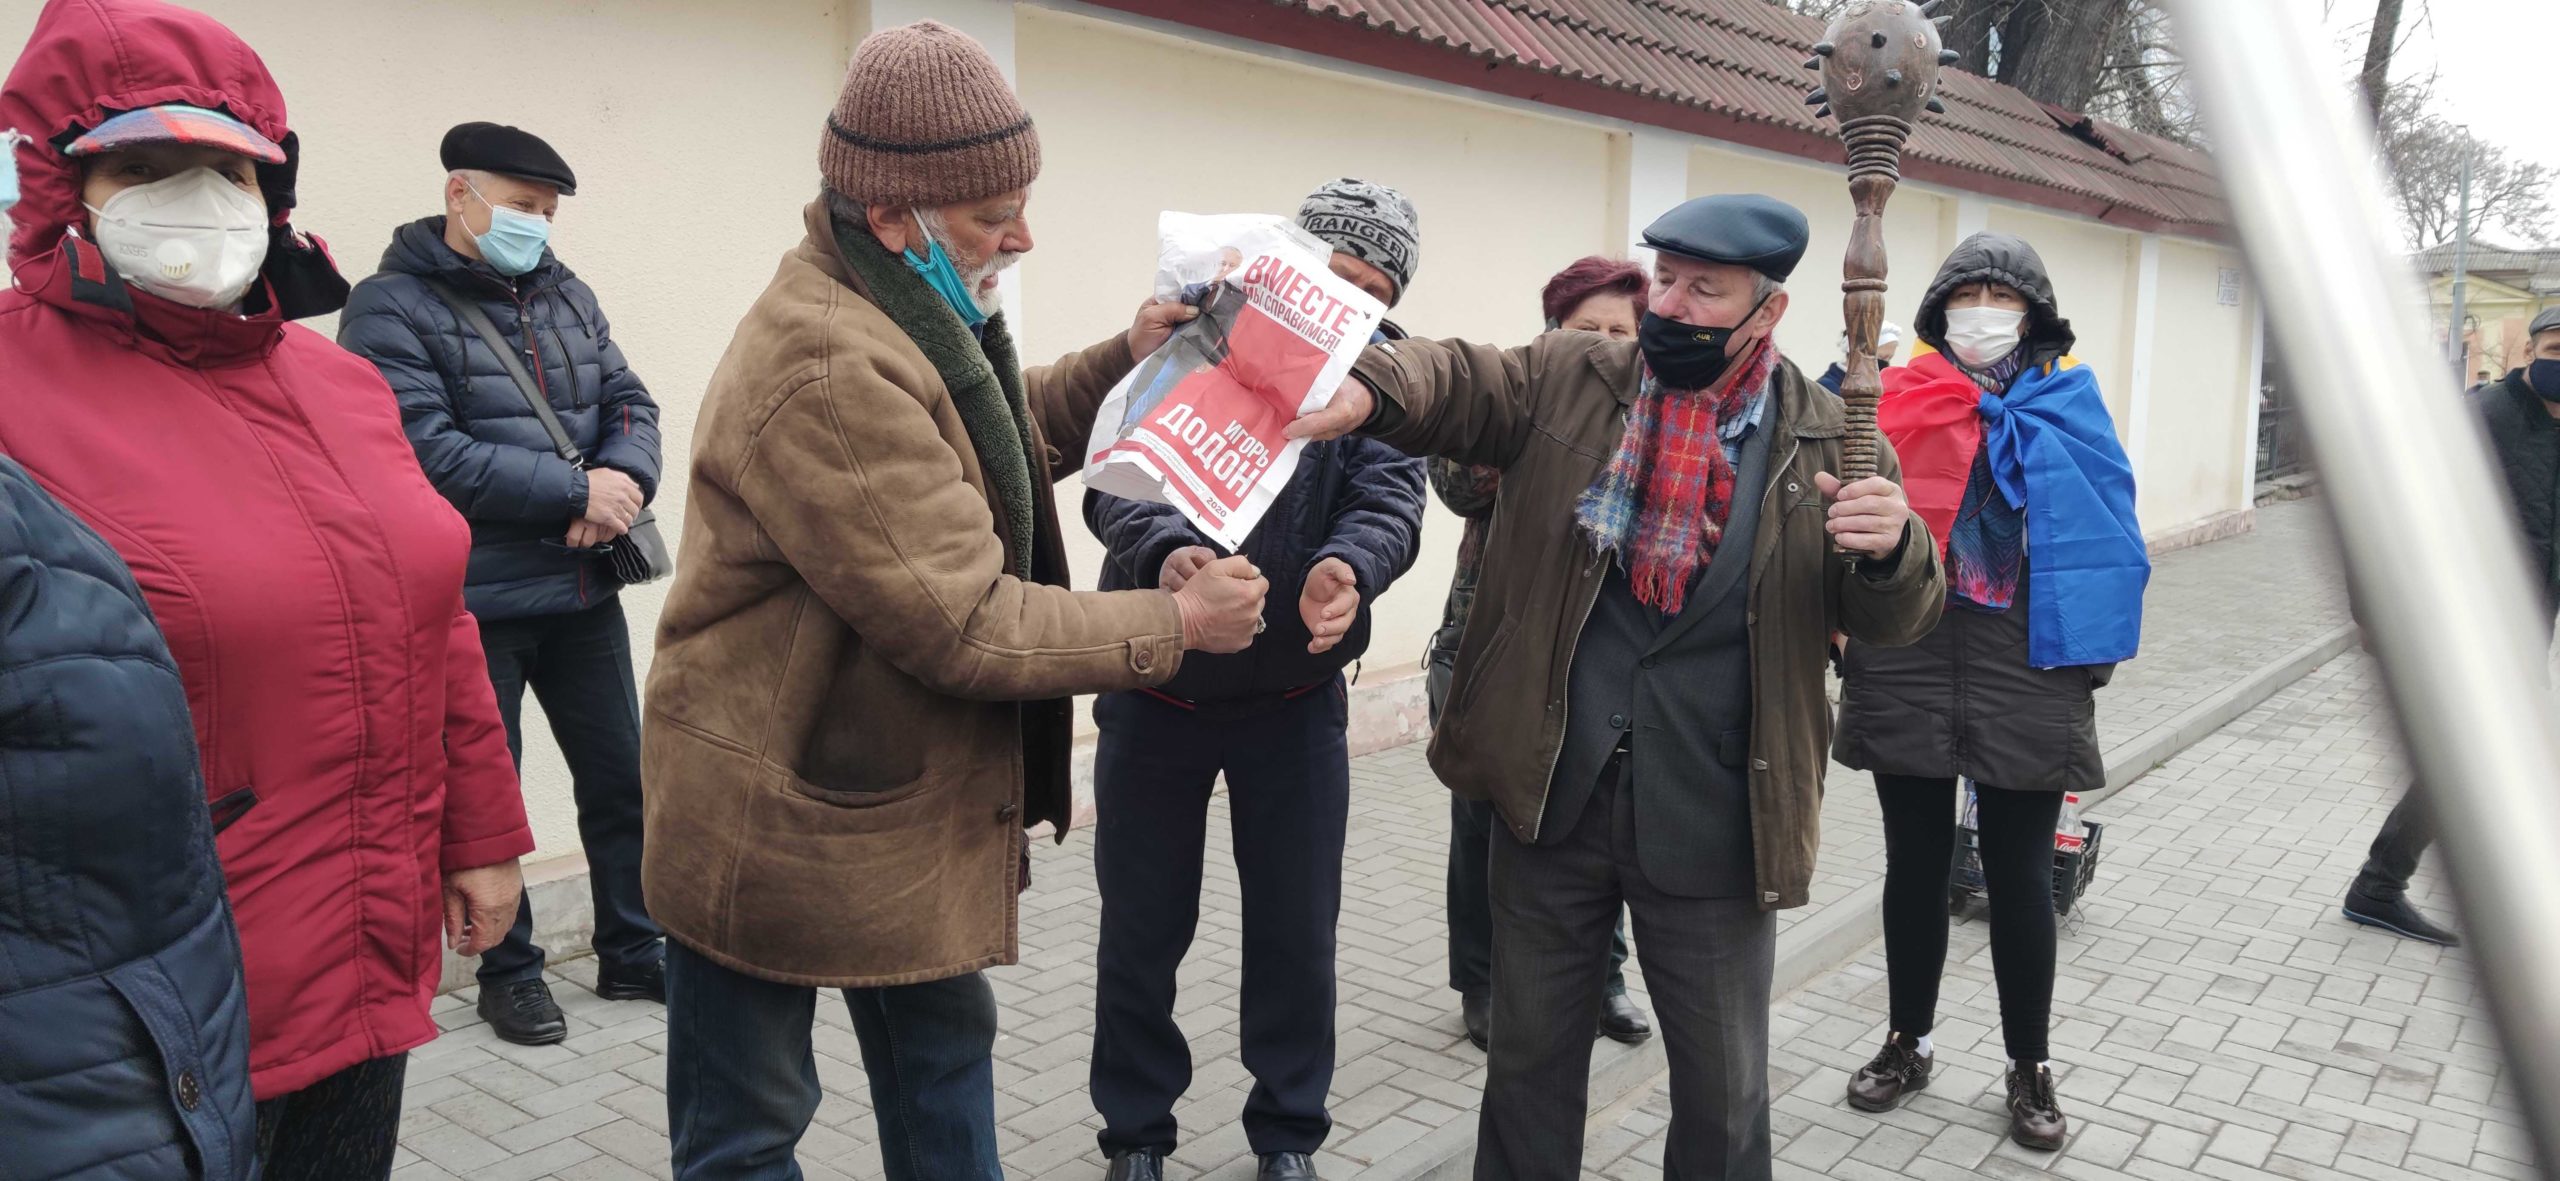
[[2093, 269], [1492, 229], [1914, 244], [695, 147], [2199, 388], [695, 142]]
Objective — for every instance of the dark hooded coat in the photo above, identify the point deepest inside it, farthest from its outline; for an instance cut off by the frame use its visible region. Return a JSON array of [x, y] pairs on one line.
[[1964, 701]]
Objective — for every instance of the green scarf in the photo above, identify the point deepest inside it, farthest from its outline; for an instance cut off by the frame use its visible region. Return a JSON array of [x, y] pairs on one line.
[[982, 373]]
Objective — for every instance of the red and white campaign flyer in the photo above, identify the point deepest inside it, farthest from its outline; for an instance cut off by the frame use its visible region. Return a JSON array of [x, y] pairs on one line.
[[1199, 424]]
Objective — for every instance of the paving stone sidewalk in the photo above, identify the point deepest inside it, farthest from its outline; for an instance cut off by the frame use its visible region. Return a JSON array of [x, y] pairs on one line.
[[2214, 1016], [594, 1108]]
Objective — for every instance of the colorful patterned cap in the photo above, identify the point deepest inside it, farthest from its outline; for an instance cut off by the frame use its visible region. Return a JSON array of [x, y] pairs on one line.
[[181, 124]]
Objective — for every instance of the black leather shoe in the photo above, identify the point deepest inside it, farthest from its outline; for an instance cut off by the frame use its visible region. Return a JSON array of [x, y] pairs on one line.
[[2394, 914], [1896, 1072], [1622, 1021], [2035, 1117], [1476, 1009], [523, 1013], [648, 982], [1136, 1166], [1286, 1166]]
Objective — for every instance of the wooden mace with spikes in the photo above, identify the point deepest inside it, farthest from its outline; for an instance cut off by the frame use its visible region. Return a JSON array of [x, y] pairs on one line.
[[1879, 64]]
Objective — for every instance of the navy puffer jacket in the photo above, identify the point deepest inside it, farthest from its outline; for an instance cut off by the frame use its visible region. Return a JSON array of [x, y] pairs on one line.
[[124, 1035], [474, 432], [1355, 499]]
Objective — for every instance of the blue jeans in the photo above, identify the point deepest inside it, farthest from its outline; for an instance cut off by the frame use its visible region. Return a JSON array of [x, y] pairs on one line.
[[742, 1083]]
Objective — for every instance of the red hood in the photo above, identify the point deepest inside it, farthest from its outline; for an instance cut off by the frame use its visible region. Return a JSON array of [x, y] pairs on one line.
[[88, 58]]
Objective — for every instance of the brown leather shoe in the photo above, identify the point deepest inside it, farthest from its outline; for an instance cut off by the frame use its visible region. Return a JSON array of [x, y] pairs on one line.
[[1897, 1071], [2035, 1120]]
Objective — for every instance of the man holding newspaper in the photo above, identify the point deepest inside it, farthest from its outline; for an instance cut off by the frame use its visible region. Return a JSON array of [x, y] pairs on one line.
[[1641, 693], [1273, 720], [860, 697]]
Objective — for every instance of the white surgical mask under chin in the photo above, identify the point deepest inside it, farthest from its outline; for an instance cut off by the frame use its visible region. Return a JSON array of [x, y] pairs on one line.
[[1981, 336], [194, 238]]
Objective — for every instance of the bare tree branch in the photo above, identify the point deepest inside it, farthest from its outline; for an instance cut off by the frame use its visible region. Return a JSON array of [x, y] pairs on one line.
[[2380, 44], [2425, 153]]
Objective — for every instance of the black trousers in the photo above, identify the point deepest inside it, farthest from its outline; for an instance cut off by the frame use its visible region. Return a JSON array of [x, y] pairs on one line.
[[2404, 838], [1470, 908], [1472, 827], [579, 668], [1707, 964], [1288, 771], [2015, 834], [346, 1127]]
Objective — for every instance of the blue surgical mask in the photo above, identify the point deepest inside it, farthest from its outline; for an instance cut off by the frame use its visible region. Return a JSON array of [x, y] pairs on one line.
[[9, 141], [937, 271], [515, 241]]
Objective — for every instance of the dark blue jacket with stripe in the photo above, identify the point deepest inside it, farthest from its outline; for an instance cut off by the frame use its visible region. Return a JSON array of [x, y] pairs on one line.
[[1355, 499], [475, 433], [124, 1034]]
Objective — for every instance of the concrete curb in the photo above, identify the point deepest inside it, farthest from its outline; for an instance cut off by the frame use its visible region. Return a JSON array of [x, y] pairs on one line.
[[2132, 760], [1842, 930]]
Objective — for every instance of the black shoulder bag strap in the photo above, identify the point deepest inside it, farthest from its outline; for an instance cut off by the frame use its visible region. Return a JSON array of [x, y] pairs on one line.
[[468, 311], [641, 554]]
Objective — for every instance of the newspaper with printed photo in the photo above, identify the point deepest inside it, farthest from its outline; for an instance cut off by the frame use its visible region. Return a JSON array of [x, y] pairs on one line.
[[1200, 423]]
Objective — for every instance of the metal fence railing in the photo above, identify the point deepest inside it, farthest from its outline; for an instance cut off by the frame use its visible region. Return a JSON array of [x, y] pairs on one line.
[[2441, 578]]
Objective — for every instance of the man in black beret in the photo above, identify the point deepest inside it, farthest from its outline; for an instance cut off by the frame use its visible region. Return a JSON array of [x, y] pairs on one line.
[[1640, 688], [539, 580]]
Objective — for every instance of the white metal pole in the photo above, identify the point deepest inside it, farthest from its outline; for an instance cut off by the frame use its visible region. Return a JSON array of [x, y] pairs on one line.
[[2439, 569], [2461, 269]]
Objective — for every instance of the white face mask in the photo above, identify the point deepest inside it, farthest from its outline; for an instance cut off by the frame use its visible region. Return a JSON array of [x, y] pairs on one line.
[[194, 238], [1981, 336]]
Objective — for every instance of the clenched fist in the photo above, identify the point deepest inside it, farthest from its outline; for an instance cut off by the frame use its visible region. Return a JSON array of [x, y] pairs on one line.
[[1866, 518], [614, 500], [1181, 564], [1330, 604], [1222, 606]]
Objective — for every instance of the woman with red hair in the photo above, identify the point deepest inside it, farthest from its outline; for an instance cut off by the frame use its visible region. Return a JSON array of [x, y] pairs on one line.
[[1595, 294]]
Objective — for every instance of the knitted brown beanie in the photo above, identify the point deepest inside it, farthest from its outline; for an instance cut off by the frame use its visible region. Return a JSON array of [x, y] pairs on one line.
[[927, 120]]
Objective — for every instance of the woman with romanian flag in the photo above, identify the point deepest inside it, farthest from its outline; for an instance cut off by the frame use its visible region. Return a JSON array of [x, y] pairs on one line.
[[2009, 454]]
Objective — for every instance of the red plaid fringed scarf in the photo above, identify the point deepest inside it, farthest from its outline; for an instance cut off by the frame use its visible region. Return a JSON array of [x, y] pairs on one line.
[[1661, 504]]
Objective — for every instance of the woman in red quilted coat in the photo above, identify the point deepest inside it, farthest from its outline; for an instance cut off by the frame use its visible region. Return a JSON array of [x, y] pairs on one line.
[[308, 579]]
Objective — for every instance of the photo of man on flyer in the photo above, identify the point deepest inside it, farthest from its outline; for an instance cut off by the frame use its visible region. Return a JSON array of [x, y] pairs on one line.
[[1199, 345]]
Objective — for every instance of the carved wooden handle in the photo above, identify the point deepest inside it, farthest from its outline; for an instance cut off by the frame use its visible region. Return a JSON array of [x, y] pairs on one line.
[[1879, 64]]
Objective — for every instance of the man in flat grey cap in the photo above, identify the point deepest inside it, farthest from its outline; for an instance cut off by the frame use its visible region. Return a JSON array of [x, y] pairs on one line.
[[1644, 702], [2522, 414]]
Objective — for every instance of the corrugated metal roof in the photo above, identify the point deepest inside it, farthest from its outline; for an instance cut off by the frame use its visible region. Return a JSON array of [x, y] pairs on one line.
[[2486, 259], [1743, 60]]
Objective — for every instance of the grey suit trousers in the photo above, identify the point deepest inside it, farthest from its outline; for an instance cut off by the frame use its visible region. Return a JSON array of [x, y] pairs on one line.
[[1707, 963]]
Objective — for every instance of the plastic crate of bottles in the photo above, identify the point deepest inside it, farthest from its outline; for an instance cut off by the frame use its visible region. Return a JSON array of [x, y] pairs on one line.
[[2077, 847]]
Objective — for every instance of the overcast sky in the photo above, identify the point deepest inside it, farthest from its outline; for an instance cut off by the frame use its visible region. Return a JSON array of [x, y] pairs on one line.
[[2491, 60]]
